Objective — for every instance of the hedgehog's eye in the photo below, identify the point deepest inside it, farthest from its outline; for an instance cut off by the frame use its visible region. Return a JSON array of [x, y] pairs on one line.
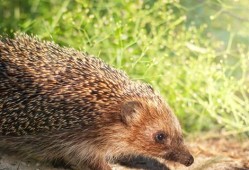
[[160, 137]]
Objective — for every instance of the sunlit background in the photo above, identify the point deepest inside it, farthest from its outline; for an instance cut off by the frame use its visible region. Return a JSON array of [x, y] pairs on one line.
[[195, 52]]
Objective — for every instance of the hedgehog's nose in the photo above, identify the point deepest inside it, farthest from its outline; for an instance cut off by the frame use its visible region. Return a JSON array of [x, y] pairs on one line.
[[189, 161]]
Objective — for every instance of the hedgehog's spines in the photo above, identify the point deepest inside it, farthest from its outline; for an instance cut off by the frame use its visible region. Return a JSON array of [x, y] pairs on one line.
[[51, 76]]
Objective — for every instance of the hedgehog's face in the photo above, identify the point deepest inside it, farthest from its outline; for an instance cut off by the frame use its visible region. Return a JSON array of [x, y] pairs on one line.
[[155, 131]]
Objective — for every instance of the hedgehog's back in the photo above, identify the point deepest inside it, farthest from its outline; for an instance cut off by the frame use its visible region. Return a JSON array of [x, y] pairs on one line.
[[44, 86]]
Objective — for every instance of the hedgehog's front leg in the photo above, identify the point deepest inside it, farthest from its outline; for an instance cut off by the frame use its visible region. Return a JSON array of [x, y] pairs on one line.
[[82, 162], [99, 165], [90, 165]]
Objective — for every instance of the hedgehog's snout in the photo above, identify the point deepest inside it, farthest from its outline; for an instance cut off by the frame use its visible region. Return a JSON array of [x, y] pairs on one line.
[[181, 155], [189, 161]]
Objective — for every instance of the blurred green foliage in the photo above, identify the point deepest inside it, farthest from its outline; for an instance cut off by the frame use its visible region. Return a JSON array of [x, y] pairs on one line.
[[194, 52]]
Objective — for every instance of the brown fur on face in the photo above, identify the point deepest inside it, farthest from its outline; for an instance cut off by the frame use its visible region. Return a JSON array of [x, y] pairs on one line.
[[59, 103], [147, 118]]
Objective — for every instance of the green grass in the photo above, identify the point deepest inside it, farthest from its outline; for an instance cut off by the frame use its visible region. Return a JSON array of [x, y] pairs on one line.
[[194, 52]]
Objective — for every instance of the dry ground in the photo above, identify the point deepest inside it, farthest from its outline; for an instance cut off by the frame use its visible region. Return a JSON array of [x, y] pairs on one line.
[[210, 154]]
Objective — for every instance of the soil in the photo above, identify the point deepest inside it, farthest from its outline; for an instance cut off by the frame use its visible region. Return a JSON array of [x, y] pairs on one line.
[[214, 153]]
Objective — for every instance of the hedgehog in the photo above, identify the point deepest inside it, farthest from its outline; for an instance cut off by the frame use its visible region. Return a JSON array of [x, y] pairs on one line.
[[57, 103]]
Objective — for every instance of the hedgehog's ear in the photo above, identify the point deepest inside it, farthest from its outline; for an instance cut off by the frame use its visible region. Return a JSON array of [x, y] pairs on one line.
[[128, 111]]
